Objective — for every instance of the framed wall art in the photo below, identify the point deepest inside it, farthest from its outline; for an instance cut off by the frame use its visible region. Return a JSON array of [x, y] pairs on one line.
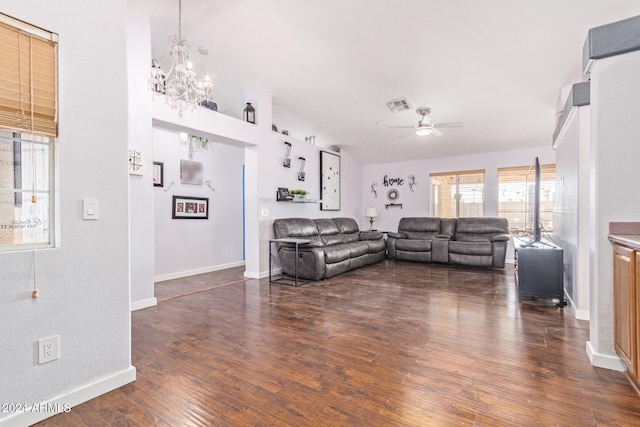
[[191, 172], [329, 181], [158, 174], [185, 207], [135, 162]]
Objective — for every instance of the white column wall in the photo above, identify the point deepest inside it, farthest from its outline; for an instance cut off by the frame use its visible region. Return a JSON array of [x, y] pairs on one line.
[[84, 282], [571, 210], [615, 161], [140, 186]]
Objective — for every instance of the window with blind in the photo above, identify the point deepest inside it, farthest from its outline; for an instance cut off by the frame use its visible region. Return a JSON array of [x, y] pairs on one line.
[[28, 127], [512, 196], [457, 194]]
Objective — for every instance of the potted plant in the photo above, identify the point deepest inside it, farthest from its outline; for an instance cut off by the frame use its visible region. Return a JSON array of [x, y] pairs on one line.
[[299, 194]]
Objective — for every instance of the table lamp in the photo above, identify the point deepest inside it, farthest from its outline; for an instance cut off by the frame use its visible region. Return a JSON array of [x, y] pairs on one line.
[[371, 213]]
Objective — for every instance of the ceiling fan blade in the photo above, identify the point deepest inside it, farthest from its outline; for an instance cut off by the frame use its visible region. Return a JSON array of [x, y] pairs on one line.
[[404, 135], [437, 133], [400, 127], [449, 125]]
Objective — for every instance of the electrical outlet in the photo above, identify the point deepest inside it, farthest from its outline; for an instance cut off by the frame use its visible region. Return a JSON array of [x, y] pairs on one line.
[[48, 349]]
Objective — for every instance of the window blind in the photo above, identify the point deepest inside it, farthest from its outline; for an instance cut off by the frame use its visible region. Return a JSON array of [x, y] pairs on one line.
[[457, 194], [512, 195], [28, 87]]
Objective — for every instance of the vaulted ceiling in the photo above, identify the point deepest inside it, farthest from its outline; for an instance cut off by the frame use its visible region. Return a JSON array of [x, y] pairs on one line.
[[496, 65]]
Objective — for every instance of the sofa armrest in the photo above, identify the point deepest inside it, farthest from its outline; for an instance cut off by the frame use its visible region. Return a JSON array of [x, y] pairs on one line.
[[443, 236], [397, 235], [370, 235], [501, 238]]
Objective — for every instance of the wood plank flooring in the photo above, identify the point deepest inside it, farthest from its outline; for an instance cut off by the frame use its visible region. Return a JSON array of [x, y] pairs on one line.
[[393, 344]]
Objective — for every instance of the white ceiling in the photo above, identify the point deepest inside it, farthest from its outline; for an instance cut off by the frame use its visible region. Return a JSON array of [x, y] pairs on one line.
[[497, 65]]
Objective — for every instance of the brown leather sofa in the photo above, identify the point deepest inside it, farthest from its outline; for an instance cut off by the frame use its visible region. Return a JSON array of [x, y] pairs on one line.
[[336, 245], [465, 241]]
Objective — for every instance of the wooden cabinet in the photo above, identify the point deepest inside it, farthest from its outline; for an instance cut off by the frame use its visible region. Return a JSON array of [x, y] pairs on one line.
[[625, 291]]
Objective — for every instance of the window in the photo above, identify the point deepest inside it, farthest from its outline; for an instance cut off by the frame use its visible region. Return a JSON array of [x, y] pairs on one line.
[[457, 194], [512, 189], [28, 126]]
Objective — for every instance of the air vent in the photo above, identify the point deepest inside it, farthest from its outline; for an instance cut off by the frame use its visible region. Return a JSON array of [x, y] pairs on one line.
[[398, 105]]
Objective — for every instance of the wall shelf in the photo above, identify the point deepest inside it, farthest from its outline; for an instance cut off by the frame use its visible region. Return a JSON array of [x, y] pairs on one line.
[[301, 200], [393, 205]]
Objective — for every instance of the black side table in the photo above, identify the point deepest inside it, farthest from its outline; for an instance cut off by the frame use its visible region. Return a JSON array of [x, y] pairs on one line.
[[293, 281]]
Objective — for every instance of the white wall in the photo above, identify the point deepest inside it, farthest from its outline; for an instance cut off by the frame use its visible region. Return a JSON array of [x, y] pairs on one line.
[[140, 187], [571, 210], [615, 154], [264, 173], [416, 203], [83, 283], [274, 175], [185, 247]]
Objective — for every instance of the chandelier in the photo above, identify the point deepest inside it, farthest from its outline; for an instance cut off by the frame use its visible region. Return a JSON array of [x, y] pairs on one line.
[[180, 86]]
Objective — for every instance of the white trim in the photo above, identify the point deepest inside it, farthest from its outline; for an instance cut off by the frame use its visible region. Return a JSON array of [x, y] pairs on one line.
[[606, 361], [262, 274], [145, 303], [181, 274], [578, 314], [72, 398]]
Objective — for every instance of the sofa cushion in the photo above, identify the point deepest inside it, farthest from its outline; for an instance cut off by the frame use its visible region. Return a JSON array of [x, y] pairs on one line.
[[346, 225], [422, 228], [357, 249], [348, 228], [480, 229], [294, 228], [333, 254], [375, 245], [328, 231], [326, 227], [413, 245], [470, 248]]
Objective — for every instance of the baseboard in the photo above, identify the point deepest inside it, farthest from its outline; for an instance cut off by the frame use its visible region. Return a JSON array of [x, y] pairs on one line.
[[605, 361], [145, 303], [64, 402], [181, 274], [581, 314], [578, 314], [262, 274]]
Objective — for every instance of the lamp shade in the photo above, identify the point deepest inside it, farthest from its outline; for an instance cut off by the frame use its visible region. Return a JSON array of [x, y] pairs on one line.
[[371, 213]]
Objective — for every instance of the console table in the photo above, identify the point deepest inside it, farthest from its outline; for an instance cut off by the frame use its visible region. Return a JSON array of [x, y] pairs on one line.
[[293, 281], [539, 270]]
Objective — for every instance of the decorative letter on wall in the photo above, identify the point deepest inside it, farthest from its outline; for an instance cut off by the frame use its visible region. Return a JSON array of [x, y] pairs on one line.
[[329, 181]]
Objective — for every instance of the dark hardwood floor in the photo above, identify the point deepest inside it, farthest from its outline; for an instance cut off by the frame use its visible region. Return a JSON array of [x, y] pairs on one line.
[[393, 344]]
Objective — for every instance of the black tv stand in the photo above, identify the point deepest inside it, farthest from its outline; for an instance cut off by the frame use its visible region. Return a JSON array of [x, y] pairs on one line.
[[539, 270]]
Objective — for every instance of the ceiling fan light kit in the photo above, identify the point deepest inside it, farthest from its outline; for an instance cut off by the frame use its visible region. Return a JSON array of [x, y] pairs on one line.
[[423, 131], [426, 126]]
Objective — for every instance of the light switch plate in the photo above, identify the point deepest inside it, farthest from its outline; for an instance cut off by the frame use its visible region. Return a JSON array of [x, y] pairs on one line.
[[90, 209]]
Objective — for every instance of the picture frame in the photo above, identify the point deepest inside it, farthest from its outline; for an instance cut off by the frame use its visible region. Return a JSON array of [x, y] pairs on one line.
[[283, 194], [187, 207], [191, 172], [329, 181], [136, 162], [158, 174]]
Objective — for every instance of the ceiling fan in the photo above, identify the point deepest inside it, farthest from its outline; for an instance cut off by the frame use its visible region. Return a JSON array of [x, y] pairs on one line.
[[425, 125]]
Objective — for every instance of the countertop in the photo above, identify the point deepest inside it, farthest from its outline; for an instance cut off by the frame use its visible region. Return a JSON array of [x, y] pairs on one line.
[[631, 240]]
